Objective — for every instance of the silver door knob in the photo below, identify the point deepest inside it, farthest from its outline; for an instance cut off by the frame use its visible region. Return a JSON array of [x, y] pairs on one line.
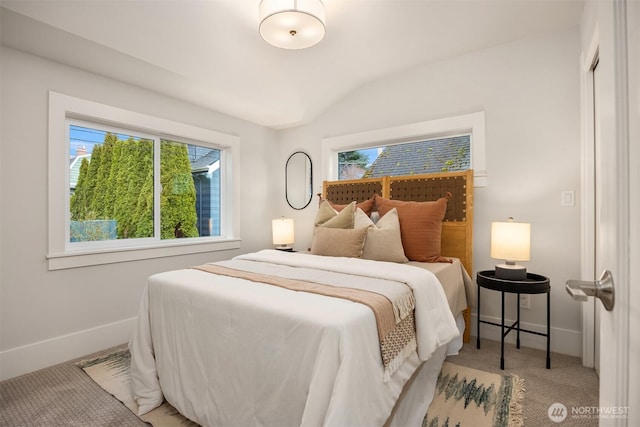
[[603, 289]]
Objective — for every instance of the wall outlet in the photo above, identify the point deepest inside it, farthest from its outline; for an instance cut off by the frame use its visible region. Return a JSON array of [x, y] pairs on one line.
[[525, 301], [568, 198]]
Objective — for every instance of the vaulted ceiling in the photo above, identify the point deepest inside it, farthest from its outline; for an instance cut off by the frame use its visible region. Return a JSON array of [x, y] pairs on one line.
[[210, 52]]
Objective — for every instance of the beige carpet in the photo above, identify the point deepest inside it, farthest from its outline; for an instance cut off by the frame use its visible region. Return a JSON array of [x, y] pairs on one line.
[[63, 395], [567, 382], [464, 396], [111, 372]]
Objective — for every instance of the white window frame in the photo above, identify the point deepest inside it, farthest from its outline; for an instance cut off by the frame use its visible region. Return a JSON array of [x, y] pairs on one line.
[[470, 124], [63, 255]]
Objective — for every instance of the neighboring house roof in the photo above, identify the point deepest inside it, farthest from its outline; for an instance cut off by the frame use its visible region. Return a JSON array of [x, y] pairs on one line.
[[74, 169], [202, 163], [433, 156]]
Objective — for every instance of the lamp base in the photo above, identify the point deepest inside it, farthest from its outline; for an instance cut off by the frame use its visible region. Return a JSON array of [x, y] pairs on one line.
[[511, 272], [285, 248]]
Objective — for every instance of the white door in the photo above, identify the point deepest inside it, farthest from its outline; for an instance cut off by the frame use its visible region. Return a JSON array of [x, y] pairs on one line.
[[613, 46]]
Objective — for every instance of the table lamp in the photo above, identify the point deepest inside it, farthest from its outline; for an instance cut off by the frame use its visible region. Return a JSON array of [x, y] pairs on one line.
[[282, 233], [511, 241]]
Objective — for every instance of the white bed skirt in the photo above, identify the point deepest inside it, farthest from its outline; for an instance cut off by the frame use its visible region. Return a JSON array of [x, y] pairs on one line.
[[418, 393], [419, 390]]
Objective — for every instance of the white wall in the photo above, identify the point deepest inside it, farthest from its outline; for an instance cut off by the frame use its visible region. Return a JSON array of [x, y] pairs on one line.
[[48, 317], [529, 91]]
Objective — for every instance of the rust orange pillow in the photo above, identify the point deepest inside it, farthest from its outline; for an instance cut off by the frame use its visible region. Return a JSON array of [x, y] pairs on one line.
[[420, 226], [366, 206]]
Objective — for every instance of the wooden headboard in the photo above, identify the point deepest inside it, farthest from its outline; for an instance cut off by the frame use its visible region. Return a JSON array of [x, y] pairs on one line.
[[457, 227]]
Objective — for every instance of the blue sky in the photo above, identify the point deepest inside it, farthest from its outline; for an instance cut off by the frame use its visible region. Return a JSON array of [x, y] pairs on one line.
[[87, 137], [84, 136], [372, 153]]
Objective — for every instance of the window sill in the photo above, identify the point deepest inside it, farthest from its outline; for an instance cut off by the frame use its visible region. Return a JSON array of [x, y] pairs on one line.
[[61, 261]]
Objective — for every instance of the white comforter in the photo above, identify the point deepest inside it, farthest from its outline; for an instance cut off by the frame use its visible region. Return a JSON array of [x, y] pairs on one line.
[[231, 352]]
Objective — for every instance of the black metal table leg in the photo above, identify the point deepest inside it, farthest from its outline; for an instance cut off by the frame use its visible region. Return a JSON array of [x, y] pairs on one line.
[[502, 336], [549, 330], [518, 328]]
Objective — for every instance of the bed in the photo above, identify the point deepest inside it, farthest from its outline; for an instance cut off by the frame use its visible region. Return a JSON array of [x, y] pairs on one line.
[[457, 225], [225, 348]]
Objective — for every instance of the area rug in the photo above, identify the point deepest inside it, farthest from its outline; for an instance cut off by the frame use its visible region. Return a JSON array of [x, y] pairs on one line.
[[468, 397], [464, 397], [111, 372]]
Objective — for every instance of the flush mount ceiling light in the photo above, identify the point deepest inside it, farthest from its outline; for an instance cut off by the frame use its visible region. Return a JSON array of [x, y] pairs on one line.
[[292, 24]]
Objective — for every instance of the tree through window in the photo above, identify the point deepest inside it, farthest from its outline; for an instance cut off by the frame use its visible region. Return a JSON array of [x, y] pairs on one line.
[[112, 182]]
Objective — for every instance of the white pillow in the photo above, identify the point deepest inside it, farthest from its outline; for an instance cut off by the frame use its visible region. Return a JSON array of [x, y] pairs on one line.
[[383, 242]]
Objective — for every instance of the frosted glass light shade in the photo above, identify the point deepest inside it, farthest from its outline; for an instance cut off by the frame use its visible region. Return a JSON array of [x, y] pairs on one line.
[[292, 24], [282, 231], [511, 241]]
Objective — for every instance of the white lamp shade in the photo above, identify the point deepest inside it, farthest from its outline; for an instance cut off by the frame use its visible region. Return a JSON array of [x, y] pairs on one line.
[[282, 231], [292, 24], [511, 241]]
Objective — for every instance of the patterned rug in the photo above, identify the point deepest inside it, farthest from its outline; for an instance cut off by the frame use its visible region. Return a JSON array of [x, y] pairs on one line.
[[469, 397], [111, 372], [464, 396]]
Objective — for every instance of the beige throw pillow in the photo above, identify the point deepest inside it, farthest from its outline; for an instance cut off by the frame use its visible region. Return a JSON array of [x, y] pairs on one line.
[[383, 242], [330, 218], [338, 242]]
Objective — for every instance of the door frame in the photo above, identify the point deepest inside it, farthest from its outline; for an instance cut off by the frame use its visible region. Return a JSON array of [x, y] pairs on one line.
[[618, 380], [607, 29], [588, 191], [633, 31]]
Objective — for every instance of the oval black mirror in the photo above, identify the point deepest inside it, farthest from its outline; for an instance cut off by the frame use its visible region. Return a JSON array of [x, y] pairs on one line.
[[298, 180]]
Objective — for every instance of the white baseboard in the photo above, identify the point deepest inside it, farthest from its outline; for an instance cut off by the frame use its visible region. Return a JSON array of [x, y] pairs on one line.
[[563, 341], [32, 357]]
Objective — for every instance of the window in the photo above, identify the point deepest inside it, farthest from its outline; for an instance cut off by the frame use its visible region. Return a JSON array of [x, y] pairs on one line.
[[111, 186], [126, 186], [442, 145], [436, 155]]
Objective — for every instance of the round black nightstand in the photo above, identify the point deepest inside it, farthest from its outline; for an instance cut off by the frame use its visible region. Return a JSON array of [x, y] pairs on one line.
[[533, 284]]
